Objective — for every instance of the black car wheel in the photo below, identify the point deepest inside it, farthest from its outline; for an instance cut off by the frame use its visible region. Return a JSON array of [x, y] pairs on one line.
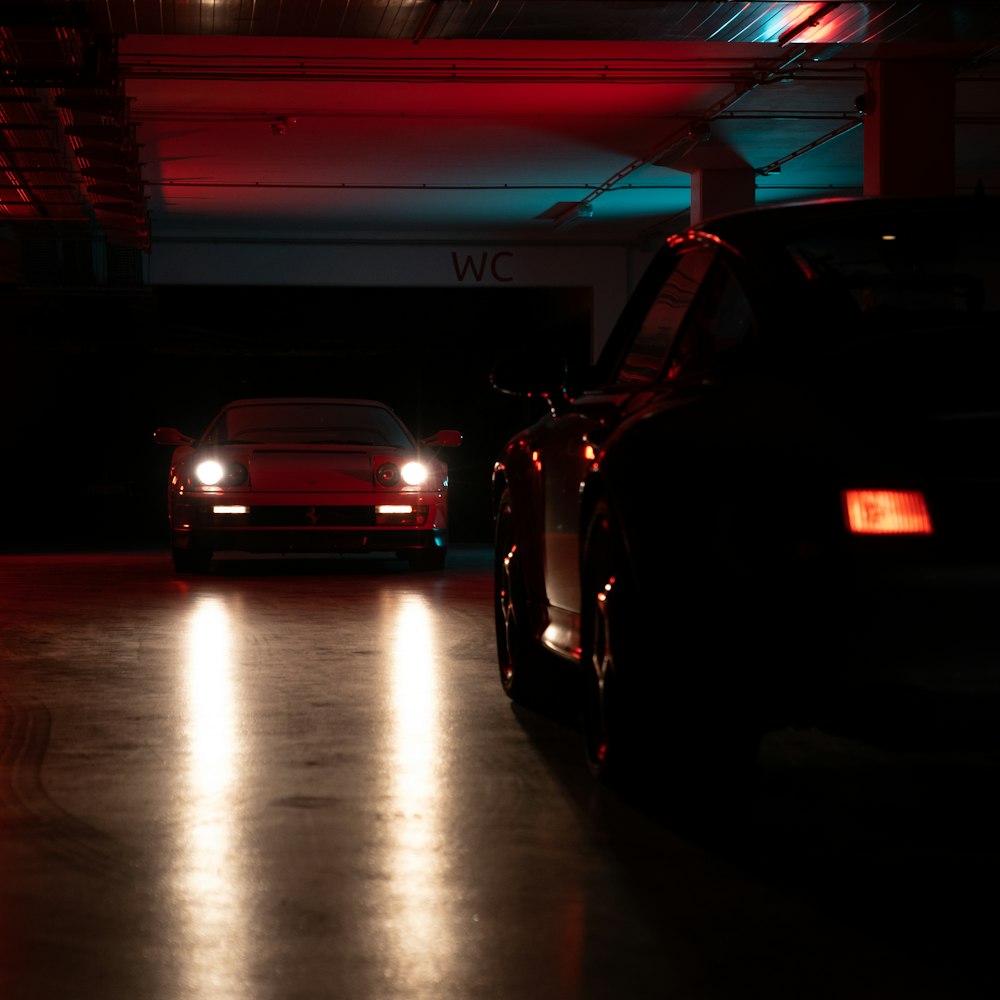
[[520, 666], [191, 560], [606, 638], [657, 714], [428, 561]]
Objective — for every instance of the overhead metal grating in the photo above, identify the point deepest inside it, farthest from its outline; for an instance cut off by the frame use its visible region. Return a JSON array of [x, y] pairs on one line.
[[68, 153]]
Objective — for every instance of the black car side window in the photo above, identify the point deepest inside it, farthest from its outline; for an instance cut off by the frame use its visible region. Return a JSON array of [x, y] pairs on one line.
[[722, 319], [644, 360]]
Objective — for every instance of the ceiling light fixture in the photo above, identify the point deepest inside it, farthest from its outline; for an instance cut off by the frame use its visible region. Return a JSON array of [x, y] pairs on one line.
[[812, 20], [578, 212]]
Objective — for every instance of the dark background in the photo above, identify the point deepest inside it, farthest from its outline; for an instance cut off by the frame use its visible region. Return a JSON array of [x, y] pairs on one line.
[[88, 376]]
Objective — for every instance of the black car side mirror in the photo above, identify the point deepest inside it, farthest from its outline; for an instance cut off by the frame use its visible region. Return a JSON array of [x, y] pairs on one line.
[[525, 374], [538, 376]]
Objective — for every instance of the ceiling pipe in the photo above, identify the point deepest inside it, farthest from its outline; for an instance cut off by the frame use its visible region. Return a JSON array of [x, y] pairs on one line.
[[432, 12], [775, 167], [723, 104]]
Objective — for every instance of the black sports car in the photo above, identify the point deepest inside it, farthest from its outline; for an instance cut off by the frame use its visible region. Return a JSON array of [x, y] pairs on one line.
[[773, 501]]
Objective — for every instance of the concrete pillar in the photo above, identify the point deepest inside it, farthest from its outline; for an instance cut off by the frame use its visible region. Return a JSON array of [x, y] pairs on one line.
[[721, 189], [909, 128]]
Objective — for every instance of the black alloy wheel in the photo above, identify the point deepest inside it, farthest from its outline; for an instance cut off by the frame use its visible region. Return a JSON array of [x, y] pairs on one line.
[[605, 647], [661, 716], [191, 560], [517, 660], [430, 560]]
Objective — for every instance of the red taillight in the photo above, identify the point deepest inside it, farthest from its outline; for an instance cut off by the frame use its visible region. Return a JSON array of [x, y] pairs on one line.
[[886, 512]]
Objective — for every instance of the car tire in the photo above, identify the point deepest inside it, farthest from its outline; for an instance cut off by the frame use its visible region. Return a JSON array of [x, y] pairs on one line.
[[521, 663], [428, 561], [191, 560], [605, 646], [651, 723]]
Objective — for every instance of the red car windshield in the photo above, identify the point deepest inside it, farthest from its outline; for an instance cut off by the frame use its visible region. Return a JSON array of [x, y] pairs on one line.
[[309, 423]]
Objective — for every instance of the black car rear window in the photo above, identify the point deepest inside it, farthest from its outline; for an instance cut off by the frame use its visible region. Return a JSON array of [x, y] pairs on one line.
[[899, 274]]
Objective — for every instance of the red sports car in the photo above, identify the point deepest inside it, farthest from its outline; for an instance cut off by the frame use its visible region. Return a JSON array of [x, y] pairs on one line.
[[307, 475]]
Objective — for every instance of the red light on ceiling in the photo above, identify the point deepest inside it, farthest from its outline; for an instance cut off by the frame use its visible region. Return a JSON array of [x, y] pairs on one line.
[[886, 512]]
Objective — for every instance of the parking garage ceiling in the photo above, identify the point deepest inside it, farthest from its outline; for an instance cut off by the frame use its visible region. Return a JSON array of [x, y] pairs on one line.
[[129, 121]]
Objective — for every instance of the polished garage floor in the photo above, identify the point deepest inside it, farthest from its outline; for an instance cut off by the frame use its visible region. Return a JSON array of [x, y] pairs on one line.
[[301, 780]]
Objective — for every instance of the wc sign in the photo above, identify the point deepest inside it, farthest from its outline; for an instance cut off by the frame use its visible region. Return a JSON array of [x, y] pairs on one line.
[[485, 266]]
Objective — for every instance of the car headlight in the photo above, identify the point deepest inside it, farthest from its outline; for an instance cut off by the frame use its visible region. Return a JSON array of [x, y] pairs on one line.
[[414, 473], [387, 474], [411, 474], [213, 473]]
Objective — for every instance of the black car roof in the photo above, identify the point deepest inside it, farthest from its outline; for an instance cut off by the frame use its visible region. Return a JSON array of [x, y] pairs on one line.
[[777, 221], [756, 233]]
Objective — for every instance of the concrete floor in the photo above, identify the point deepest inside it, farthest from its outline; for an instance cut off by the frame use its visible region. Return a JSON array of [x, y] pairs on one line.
[[287, 781]]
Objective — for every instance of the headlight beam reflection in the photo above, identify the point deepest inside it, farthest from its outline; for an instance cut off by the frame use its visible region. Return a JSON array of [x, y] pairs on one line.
[[208, 878], [421, 947]]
